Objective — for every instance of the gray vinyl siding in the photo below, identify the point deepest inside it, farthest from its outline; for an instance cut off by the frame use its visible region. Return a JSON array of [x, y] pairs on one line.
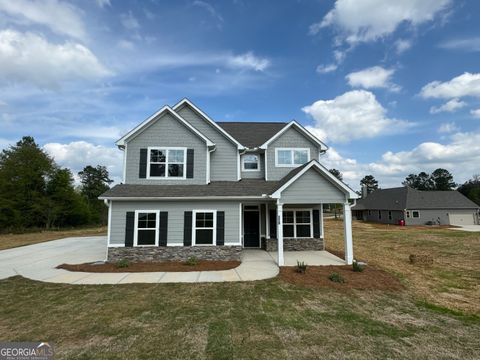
[[312, 187], [175, 217], [397, 215], [223, 161], [434, 215], [166, 131], [254, 174], [291, 138]]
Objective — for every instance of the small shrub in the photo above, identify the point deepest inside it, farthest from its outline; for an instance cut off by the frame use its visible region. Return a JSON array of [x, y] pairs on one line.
[[191, 261], [301, 267], [122, 264], [336, 277], [421, 259], [357, 267]]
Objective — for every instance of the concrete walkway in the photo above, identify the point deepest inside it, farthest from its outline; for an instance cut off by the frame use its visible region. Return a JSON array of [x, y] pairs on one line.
[[39, 261], [469, 228]]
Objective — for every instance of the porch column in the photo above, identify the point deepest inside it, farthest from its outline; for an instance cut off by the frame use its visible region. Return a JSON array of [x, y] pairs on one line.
[[267, 221], [280, 260], [347, 222], [322, 235]]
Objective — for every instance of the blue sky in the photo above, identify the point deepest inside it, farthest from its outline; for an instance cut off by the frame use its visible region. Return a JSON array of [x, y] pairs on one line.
[[391, 88]]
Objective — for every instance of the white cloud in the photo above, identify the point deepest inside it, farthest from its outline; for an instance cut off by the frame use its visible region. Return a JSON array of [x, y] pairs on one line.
[[210, 9], [354, 115], [370, 20], [447, 128], [475, 113], [249, 61], [61, 17], [373, 77], [103, 3], [27, 57], [125, 44], [129, 21], [468, 44], [324, 69], [467, 84], [402, 45], [450, 106], [78, 154]]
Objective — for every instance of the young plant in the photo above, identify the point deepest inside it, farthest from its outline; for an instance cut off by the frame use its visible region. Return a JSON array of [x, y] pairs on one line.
[[336, 277], [357, 267], [191, 261], [301, 267], [122, 264]]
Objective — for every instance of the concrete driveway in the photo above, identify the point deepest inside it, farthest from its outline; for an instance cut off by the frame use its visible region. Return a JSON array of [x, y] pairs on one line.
[[39, 262], [469, 228]]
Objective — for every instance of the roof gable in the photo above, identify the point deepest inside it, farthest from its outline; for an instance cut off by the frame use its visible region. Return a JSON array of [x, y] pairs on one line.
[[145, 124], [301, 129]]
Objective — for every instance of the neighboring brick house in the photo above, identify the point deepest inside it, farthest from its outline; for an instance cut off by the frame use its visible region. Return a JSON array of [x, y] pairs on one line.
[[390, 206], [195, 187]]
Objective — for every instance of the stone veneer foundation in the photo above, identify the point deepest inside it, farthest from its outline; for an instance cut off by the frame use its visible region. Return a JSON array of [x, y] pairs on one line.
[[295, 244], [174, 253]]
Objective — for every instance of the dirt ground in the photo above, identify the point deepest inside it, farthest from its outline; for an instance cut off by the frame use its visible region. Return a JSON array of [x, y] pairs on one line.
[[167, 266]]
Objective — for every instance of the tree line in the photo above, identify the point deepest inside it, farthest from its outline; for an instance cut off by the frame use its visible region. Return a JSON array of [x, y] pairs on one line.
[[438, 180], [37, 193]]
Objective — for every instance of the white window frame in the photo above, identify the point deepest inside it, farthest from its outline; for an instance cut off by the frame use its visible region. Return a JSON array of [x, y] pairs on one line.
[[194, 226], [292, 156], [166, 177], [295, 223], [251, 170], [136, 229]]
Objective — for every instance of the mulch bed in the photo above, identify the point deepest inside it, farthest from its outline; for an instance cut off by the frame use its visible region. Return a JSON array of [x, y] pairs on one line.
[[317, 277], [167, 266]]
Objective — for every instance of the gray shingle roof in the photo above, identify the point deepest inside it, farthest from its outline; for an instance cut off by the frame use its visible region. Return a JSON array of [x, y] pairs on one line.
[[252, 134], [407, 198], [245, 187]]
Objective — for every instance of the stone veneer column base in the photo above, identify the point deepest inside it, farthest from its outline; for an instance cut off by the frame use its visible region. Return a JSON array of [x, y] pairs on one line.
[[174, 253], [300, 244]]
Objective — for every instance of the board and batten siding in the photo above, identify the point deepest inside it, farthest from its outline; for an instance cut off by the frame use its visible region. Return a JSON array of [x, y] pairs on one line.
[[254, 174], [169, 132], [175, 217], [223, 161], [312, 188], [291, 138]]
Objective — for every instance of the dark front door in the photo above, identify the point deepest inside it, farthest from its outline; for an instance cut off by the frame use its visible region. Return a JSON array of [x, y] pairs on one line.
[[251, 229]]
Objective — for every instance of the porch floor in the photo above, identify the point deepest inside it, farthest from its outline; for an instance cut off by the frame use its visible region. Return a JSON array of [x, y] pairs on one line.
[[313, 258]]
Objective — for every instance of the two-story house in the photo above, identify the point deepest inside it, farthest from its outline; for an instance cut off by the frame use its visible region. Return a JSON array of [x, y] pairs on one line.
[[196, 187]]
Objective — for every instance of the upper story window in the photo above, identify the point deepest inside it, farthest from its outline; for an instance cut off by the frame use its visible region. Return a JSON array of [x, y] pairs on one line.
[[166, 162], [291, 157], [250, 163]]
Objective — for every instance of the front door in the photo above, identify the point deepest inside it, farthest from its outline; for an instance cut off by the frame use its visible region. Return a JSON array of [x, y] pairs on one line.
[[251, 228]]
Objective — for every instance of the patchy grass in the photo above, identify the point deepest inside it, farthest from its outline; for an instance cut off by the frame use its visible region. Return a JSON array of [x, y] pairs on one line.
[[265, 319], [8, 241], [451, 281]]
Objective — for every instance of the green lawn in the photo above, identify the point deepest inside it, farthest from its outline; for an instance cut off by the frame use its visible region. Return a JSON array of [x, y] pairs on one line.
[[266, 319]]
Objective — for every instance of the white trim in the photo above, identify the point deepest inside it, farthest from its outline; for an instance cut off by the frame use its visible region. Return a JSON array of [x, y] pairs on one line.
[[145, 123], [292, 149], [267, 221], [157, 226], [125, 164], [294, 210], [166, 177], [347, 231], [322, 221], [266, 165], [184, 198], [109, 229], [280, 258], [239, 174], [314, 163], [194, 226], [299, 127], [240, 227], [258, 209], [175, 244], [115, 245], [259, 166], [206, 117]]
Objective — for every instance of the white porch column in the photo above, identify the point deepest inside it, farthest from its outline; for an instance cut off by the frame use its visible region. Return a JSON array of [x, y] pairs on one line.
[[347, 223], [322, 234], [267, 221], [280, 260]]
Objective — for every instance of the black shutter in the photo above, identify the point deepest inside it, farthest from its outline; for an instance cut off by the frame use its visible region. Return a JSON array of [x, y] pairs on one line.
[[142, 169], [129, 228], [273, 224], [189, 163], [220, 228], [316, 224], [187, 229], [162, 239]]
